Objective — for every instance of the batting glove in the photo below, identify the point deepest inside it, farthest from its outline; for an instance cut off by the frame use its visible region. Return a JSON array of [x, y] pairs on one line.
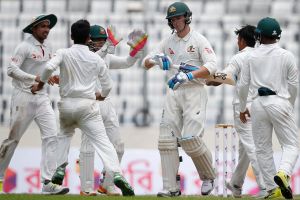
[[185, 68], [164, 61], [179, 79]]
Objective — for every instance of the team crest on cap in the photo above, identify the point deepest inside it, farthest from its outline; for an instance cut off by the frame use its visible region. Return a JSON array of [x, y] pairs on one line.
[[102, 31], [274, 32], [172, 9]]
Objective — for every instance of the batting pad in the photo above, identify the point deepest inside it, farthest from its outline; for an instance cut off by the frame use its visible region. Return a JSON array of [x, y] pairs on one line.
[[201, 156], [86, 164], [169, 155]]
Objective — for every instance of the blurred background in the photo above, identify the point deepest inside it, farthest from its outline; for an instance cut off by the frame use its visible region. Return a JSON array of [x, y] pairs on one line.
[[139, 94]]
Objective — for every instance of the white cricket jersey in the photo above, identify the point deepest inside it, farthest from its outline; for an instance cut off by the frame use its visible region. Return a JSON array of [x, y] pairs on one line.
[[193, 49], [28, 61], [272, 67], [234, 68], [79, 70]]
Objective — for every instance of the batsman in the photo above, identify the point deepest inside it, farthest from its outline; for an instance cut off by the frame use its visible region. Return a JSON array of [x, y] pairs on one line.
[[184, 110]]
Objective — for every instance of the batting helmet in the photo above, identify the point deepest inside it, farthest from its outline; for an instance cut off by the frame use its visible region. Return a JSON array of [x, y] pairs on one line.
[[98, 32], [268, 27], [178, 9]]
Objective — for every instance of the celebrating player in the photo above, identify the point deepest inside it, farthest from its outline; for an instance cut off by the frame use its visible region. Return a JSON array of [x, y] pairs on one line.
[[273, 75], [26, 64], [247, 155], [79, 71], [103, 46], [184, 110]]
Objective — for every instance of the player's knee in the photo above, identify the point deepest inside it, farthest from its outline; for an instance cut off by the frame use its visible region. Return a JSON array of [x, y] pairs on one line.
[[8, 144], [193, 146]]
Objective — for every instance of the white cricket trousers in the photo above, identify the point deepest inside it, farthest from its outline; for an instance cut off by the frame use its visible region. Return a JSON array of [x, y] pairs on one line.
[[270, 112], [85, 115], [26, 107], [247, 152], [111, 124]]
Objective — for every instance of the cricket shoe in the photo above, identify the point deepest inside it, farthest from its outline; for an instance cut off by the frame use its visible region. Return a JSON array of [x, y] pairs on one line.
[[235, 190], [166, 193], [59, 174], [207, 187], [124, 186], [273, 194], [1, 187], [261, 194], [282, 180], [109, 190], [51, 188], [91, 193]]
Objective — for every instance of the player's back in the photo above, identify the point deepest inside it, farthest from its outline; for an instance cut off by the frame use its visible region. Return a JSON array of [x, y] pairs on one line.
[[270, 67], [79, 70]]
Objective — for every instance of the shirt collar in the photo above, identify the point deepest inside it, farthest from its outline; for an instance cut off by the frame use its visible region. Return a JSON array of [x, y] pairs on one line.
[[36, 42], [269, 45], [80, 46], [245, 49], [185, 38]]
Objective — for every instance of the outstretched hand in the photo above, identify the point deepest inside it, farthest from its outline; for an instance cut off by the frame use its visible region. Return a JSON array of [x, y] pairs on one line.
[[137, 40], [113, 35]]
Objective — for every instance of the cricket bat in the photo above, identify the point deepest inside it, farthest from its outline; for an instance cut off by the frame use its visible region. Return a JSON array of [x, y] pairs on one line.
[[219, 77]]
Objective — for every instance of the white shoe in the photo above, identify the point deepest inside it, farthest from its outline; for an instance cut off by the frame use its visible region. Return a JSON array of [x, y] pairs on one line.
[[51, 188], [207, 187], [166, 193], [261, 194], [236, 191]]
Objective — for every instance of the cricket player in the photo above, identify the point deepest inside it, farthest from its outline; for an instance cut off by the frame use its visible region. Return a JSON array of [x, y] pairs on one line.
[[273, 75], [79, 70], [105, 48], [184, 111], [26, 65], [247, 155]]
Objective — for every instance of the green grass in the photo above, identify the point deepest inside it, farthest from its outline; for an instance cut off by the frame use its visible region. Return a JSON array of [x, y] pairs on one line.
[[75, 197]]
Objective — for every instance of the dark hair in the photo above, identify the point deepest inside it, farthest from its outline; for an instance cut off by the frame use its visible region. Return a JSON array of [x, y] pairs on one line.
[[80, 31], [247, 33]]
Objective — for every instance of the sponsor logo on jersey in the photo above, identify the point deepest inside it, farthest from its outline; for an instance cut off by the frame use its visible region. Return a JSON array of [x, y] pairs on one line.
[[208, 50], [171, 51], [191, 49]]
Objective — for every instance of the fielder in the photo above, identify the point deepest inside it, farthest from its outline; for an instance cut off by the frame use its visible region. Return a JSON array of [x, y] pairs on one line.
[[79, 71], [273, 75], [103, 46], [245, 42], [184, 111], [26, 65]]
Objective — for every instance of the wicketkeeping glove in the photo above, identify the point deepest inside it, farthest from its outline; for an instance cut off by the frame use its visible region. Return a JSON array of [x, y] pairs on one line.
[[137, 40], [113, 35], [164, 61], [179, 79]]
